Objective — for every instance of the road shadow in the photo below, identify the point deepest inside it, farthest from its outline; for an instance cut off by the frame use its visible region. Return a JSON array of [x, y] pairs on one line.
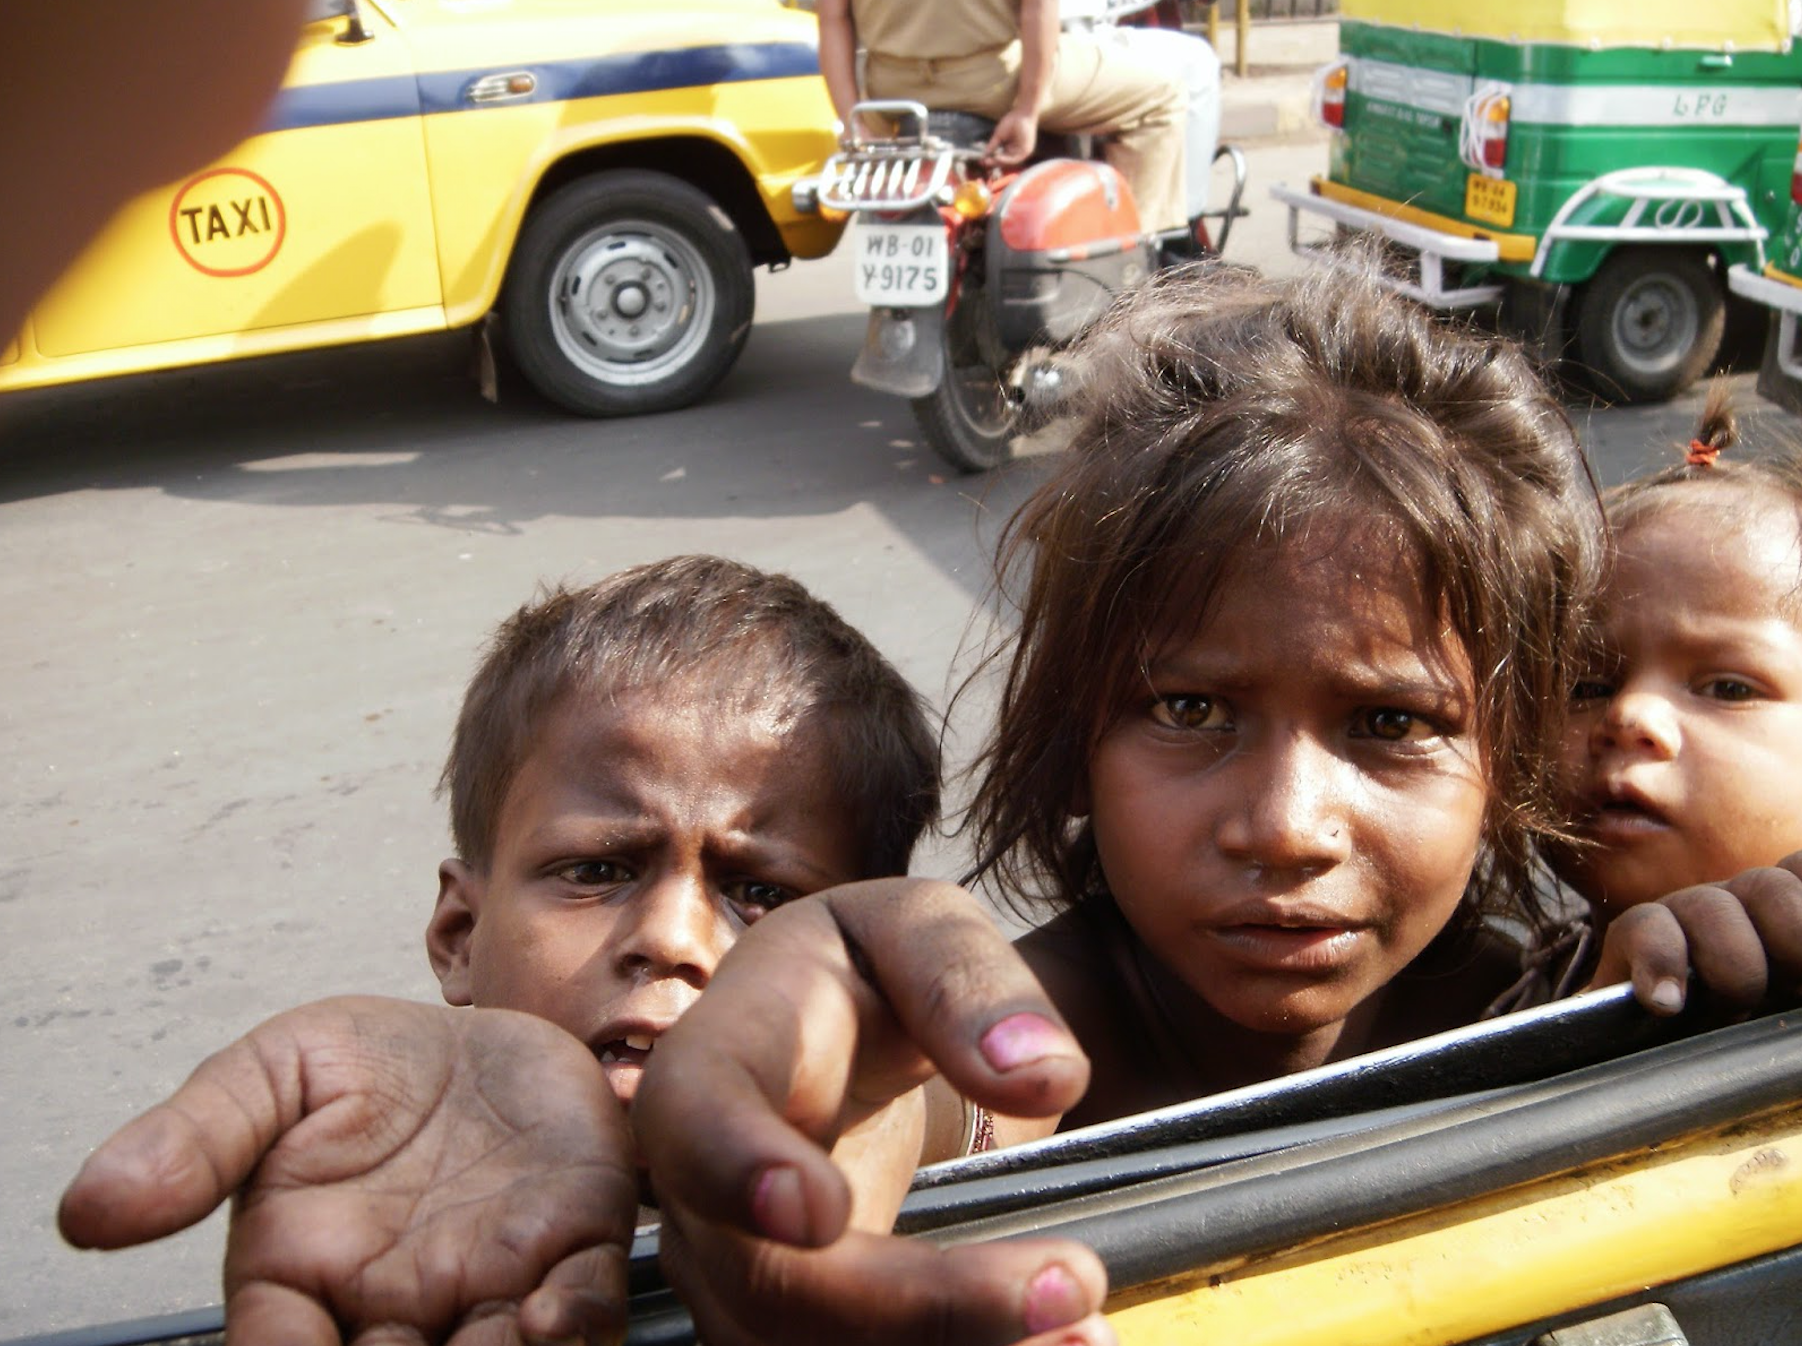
[[401, 425]]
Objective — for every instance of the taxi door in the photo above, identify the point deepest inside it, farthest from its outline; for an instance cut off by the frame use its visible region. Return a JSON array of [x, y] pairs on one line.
[[323, 217]]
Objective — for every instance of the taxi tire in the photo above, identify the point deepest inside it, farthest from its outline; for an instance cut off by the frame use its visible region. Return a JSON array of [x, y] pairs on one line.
[[594, 229], [1671, 286]]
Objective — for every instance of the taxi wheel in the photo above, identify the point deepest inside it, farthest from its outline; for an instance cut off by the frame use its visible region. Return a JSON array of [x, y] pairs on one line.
[[628, 292], [1649, 324]]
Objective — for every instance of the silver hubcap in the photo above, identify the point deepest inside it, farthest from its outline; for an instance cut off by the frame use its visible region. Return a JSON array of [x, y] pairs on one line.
[[1656, 324], [631, 302]]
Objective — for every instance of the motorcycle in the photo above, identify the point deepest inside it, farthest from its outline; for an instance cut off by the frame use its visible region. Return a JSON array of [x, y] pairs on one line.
[[975, 275]]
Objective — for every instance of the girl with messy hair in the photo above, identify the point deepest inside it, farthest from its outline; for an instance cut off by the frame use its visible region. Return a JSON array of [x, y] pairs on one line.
[[1272, 738]]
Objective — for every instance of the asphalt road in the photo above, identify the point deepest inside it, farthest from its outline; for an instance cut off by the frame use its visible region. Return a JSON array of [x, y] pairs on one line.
[[243, 602]]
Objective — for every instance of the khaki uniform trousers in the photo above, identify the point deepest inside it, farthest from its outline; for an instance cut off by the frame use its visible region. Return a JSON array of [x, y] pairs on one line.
[[1137, 106]]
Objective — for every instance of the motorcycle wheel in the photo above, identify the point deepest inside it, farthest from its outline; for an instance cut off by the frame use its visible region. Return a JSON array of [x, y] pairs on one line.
[[969, 419]]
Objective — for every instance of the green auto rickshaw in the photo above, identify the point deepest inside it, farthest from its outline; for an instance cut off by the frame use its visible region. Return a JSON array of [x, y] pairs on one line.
[[1595, 169]]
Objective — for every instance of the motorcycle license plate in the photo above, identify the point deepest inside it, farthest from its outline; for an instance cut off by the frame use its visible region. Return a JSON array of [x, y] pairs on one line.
[[900, 265]]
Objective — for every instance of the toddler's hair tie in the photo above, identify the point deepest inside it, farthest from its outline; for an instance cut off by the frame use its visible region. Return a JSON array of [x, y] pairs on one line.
[[1702, 455]]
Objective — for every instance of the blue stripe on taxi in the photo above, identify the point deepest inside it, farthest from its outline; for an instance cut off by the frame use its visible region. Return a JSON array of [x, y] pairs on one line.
[[558, 81]]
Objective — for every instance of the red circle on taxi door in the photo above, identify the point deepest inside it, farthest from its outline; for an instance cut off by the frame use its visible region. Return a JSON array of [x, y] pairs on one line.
[[228, 222]]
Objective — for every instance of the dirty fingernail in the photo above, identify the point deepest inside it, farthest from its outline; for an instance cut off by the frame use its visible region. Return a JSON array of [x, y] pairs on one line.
[[779, 1205], [1667, 996], [1021, 1039], [1053, 1299]]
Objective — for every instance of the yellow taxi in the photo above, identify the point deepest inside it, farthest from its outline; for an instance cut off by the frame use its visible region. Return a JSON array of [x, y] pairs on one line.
[[602, 176]]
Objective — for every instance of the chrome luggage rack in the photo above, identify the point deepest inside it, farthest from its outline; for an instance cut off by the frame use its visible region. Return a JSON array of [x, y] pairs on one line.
[[901, 172]]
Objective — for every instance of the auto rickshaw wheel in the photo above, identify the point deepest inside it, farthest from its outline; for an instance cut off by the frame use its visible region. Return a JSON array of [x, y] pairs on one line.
[[1650, 321], [971, 418], [628, 292]]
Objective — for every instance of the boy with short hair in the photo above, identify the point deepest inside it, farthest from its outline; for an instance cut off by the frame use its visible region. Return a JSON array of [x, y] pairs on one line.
[[640, 770], [644, 767]]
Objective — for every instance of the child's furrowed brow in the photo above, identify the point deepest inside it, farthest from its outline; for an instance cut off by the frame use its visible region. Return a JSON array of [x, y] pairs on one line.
[[1415, 686], [1188, 671], [1412, 681], [760, 853], [597, 832]]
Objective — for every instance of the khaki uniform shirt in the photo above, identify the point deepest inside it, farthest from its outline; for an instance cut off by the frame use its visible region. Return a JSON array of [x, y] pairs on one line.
[[935, 29]]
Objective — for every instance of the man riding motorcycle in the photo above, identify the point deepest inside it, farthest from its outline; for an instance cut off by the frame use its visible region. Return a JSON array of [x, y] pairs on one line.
[[1150, 32], [1007, 59]]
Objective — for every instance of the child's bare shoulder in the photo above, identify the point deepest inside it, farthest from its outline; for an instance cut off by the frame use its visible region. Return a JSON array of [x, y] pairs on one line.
[[1086, 970], [1070, 962]]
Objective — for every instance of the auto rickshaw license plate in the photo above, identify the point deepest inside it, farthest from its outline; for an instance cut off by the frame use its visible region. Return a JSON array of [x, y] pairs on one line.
[[900, 265], [1489, 199]]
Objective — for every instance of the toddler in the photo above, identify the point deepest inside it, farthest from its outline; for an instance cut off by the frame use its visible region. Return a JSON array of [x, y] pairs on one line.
[[1686, 727]]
